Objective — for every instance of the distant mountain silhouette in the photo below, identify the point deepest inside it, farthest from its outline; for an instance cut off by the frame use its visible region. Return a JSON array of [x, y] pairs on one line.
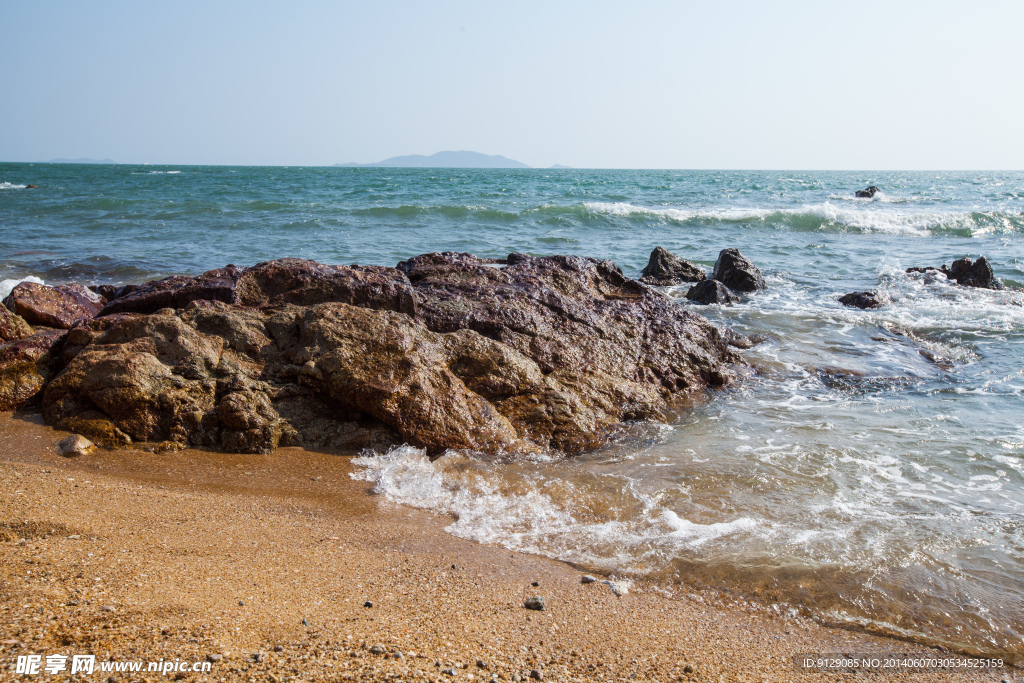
[[447, 160], [80, 161]]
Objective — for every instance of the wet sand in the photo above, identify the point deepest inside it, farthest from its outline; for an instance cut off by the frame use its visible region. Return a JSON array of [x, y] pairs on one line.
[[265, 564]]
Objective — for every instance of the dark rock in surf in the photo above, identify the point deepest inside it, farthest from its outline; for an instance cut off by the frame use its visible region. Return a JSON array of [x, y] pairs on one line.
[[866, 193], [59, 307], [862, 300], [711, 292], [447, 351], [967, 272], [737, 272], [665, 269], [31, 187], [111, 292]]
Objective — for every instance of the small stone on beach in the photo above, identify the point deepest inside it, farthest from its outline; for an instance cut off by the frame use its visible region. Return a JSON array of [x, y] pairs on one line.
[[587, 578], [377, 650], [367, 604], [75, 445], [536, 603], [214, 658]]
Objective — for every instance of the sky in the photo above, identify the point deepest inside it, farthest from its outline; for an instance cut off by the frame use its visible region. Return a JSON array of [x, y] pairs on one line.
[[738, 85]]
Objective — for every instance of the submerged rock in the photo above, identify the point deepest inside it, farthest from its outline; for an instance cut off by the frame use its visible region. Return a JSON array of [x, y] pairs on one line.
[[12, 326], [711, 292], [446, 351], [59, 307], [737, 272], [862, 300], [866, 193], [967, 272], [665, 269]]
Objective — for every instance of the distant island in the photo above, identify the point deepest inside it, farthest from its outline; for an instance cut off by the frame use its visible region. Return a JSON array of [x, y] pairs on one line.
[[446, 160], [80, 161]]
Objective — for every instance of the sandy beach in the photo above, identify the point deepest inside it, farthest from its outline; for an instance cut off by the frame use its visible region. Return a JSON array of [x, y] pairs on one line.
[[266, 565]]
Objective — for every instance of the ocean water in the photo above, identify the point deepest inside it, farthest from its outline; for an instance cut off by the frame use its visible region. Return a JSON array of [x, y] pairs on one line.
[[869, 467]]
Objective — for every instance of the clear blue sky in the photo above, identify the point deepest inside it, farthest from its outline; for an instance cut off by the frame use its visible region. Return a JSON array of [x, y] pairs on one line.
[[777, 85]]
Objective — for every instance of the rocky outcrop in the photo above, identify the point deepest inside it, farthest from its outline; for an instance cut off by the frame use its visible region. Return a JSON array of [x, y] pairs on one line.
[[446, 351], [711, 292], [294, 281], [737, 272], [866, 193], [25, 366], [665, 269], [12, 326], [967, 272], [59, 307], [862, 300]]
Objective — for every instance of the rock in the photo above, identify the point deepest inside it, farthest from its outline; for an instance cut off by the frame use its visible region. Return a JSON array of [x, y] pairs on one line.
[[75, 445], [279, 648], [536, 675], [967, 272], [59, 307], [535, 583], [534, 603], [688, 669], [866, 193], [31, 187], [862, 300], [25, 366], [447, 351], [665, 268], [711, 292], [737, 272], [587, 578], [305, 622], [618, 588], [274, 283], [367, 604], [241, 603], [377, 650], [12, 326], [214, 658], [481, 664], [973, 274], [107, 608]]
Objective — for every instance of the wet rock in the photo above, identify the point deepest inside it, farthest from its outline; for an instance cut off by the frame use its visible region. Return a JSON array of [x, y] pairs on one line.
[[619, 589], [31, 187], [966, 272], [737, 272], [12, 326], [866, 193], [665, 268], [25, 366], [973, 273], [534, 603], [447, 351], [862, 300], [59, 307], [75, 445], [711, 292]]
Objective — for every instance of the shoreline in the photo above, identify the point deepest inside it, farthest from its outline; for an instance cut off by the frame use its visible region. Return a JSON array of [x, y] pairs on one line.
[[159, 551]]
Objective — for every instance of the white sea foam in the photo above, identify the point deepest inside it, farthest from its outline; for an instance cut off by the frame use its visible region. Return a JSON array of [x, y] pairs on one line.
[[11, 186], [7, 285], [827, 215]]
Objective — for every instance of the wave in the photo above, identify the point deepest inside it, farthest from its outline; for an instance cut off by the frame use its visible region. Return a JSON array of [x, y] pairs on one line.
[[11, 186], [828, 217]]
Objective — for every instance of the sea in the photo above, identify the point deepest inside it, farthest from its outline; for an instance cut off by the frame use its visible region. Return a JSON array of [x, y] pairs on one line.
[[868, 468]]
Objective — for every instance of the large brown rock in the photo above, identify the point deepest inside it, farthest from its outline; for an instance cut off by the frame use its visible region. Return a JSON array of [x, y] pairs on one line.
[[737, 272], [272, 283], [664, 269], [60, 307], [12, 326], [447, 351], [25, 366]]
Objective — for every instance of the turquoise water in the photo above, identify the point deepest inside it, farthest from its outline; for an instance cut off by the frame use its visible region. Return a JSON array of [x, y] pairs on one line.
[[869, 469]]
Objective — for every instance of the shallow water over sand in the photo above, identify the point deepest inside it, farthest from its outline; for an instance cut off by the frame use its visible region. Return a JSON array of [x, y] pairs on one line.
[[867, 468]]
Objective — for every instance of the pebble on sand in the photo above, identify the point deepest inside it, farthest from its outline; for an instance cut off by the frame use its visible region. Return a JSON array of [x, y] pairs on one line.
[[367, 604], [536, 602], [587, 578], [75, 445], [214, 658], [377, 650]]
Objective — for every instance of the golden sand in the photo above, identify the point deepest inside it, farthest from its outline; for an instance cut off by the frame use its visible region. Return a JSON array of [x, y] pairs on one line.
[[264, 565]]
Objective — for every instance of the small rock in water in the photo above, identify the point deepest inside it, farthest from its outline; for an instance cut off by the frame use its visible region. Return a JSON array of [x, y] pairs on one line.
[[377, 650], [737, 272], [75, 445], [587, 578], [861, 300], [711, 292], [665, 269], [536, 602], [866, 193]]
